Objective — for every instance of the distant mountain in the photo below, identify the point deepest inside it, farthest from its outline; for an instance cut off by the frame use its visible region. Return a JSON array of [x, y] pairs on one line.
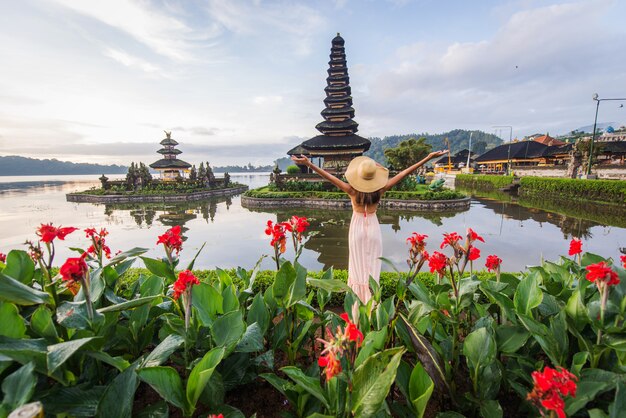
[[459, 140], [600, 126], [14, 165]]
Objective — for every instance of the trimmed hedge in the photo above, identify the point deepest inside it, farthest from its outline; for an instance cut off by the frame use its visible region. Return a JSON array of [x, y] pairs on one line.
[[610, 191], [482, 181], [263, 193], [265, 278]]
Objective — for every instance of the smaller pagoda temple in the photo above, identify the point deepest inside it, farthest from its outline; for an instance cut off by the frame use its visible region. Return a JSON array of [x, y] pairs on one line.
[[170, 167], [338, 144]]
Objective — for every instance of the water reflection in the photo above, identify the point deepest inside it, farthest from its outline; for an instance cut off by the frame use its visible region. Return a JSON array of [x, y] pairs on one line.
[[330, 241], [170, 214]]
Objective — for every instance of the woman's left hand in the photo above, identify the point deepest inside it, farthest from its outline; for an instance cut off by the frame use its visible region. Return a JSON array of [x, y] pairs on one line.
[[436, 154]]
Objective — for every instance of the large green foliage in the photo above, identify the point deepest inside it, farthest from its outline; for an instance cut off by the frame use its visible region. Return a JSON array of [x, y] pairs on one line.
[[407, 153]]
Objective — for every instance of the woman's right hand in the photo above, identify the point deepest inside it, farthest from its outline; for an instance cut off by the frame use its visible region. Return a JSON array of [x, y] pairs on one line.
[[436, 154], [301, 160]]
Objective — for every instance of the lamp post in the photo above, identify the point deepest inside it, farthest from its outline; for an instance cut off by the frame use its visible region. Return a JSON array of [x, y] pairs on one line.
[[508, 165], [469, 152], [595, 122]]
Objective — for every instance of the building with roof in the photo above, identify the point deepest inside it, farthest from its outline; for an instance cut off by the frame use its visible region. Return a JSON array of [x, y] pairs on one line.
[[338, 143], [523, 154], [170, 167], [454, 162], [548, 140]]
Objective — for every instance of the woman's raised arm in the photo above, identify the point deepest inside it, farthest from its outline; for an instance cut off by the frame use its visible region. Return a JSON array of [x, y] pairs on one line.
[[342, 185], [398, 177]]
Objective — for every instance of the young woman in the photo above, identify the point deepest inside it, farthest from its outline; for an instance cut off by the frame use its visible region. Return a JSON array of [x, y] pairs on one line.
[[367, 182]]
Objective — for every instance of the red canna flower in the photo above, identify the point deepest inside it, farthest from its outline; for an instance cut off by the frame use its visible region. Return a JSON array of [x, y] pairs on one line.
[[549, 388], [493, 262], [172, 240], [623, 260], [601, 273], [216, 416], [437, 262], [473, 236], [352, 331], [298, 224], [48, 232], [3, 258], [450, 239], [575, 246], [474, 254], [74, 269], [418, 241], [186, 280], [331, 364], [98, 242], [277, 231]]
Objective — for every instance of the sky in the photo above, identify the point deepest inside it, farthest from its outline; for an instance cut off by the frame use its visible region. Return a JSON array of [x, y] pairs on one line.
[[240, 81]]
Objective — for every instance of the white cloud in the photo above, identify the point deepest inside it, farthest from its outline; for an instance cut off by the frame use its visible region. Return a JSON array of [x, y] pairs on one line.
[[164, 34], [267, 100], [133, 62], [300, 23]]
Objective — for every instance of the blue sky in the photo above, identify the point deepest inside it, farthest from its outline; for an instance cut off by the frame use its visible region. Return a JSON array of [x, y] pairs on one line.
[[242, 80]]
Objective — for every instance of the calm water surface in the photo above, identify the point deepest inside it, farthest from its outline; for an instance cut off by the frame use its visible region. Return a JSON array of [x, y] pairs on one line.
[[235, 236]]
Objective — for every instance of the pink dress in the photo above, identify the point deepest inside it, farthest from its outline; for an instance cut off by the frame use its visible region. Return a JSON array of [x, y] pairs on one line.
[[365, 243]]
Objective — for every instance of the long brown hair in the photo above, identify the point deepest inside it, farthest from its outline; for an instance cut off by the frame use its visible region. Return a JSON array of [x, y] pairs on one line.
[[372, 198]]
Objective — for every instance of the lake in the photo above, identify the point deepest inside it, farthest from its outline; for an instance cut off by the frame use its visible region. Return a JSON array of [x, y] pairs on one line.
[[235, 236]]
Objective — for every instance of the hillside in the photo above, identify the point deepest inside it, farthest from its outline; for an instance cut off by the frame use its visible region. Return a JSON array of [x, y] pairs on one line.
[[459, 139], [13, 165]]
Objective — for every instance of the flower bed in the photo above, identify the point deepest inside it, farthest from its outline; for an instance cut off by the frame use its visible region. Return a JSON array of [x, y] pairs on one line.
[[99, 339]]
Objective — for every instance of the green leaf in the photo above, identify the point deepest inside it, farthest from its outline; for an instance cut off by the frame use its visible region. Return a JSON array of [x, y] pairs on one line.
[[372, 381], [285, 277], [73, 401], [309, 384], [25, 350], [421, 388], [61, 352], [131, 304], [297, 290], [578, 362], [577, 310], [511, 338], [374, 341], [19, 386], [201, 374], [480, 348], [590, 258], [425, 353], [13, 291], [258, 313], [228, 329], [133, 252], [592, 383], [74, 315], [616, 342], [528, 295], [159, 268], [157, 410], [491, 409], [617, 409], [163, 351], [11, 320], [118, 362], [207, 301], [230, 302], [19, 266], [329, 285], [117, 400], [167, 383], [252, 340], [41, 323]]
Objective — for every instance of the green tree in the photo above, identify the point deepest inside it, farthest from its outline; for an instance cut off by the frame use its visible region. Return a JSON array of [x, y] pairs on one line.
[[193, 173], [479, 147], [407, 153], [131, 176], [202, 173], [144, 174], [210, 177]]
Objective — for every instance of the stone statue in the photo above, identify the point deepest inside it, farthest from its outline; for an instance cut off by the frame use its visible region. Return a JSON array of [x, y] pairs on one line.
[[168, 134]]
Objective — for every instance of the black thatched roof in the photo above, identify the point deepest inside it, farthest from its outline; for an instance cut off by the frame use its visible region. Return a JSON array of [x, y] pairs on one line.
[[617, 147], [518, 150], [170, 163], [326, 142], [553, 150], [338, 40], [172, 151], [299, 150], [168, 141]]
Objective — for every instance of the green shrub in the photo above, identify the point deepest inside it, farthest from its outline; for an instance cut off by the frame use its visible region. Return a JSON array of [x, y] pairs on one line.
[[482, 181], [610, 191], [293, 169]]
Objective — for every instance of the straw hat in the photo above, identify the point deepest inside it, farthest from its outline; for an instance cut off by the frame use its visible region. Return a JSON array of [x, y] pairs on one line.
[[365, 175]]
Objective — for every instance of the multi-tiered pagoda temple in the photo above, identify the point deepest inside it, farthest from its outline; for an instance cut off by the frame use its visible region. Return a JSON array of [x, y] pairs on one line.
[[338, 143], [170, 167]]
